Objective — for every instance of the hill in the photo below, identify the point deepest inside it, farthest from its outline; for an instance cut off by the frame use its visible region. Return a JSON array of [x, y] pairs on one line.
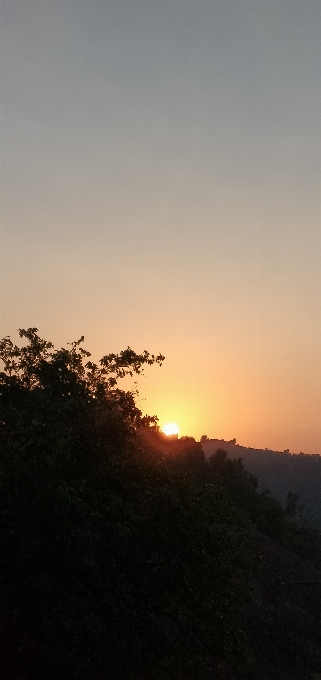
[[280, 472], [126, 555]]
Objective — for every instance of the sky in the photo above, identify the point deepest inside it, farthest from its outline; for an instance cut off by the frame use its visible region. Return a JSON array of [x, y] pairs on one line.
[[160, 188]]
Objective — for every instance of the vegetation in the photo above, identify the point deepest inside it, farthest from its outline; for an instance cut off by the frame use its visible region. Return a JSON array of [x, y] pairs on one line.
[[283, 473], [126, 554]]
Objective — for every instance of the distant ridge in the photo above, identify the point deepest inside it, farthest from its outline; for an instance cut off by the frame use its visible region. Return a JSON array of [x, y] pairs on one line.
[[211, 445], [280, 472]]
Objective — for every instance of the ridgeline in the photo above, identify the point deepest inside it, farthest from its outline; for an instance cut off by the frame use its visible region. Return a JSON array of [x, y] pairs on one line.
[[281, 472], [128, 555]]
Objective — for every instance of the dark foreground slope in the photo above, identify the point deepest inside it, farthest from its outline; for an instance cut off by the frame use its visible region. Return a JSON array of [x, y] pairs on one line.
[[125, 555]]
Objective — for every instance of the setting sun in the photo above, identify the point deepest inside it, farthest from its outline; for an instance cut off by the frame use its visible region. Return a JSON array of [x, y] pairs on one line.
[[170, 428]]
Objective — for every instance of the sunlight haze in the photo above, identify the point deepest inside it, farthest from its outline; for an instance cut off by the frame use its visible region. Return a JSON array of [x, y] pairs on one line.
[[170, 429], [160, 188]]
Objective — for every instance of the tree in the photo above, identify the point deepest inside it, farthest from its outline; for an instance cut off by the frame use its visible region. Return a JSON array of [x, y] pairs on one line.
[[58, 406], [117, 559], [109, 554], [292, 504], [38, 365], [44, 377]]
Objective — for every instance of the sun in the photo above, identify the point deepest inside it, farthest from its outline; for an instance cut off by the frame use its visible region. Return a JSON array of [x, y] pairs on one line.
[[170, 428]]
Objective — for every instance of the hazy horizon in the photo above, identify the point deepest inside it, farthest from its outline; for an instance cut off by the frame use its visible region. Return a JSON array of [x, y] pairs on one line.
[[160, 188]]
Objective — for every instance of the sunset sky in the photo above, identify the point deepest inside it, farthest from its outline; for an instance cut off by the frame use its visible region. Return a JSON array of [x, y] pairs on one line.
[[160, 188]]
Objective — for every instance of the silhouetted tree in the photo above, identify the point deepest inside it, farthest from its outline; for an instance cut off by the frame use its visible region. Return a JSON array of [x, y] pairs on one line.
[[292, 504], [124, 555]]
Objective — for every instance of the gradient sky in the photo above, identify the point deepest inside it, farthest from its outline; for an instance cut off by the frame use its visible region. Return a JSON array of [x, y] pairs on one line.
[[160, 188]]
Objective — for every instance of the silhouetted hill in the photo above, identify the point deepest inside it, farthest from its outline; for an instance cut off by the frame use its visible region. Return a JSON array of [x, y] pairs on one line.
[[280, 472], [127, 555]]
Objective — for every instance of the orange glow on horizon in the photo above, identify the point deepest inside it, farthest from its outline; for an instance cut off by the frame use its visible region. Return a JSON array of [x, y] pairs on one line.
[[170, 429]]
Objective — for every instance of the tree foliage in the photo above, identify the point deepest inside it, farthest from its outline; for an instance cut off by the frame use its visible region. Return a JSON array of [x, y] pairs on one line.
[[123, 555]]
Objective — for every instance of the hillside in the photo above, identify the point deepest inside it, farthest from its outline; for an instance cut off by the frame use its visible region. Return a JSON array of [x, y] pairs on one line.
[[126, 555], [280, 472]]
